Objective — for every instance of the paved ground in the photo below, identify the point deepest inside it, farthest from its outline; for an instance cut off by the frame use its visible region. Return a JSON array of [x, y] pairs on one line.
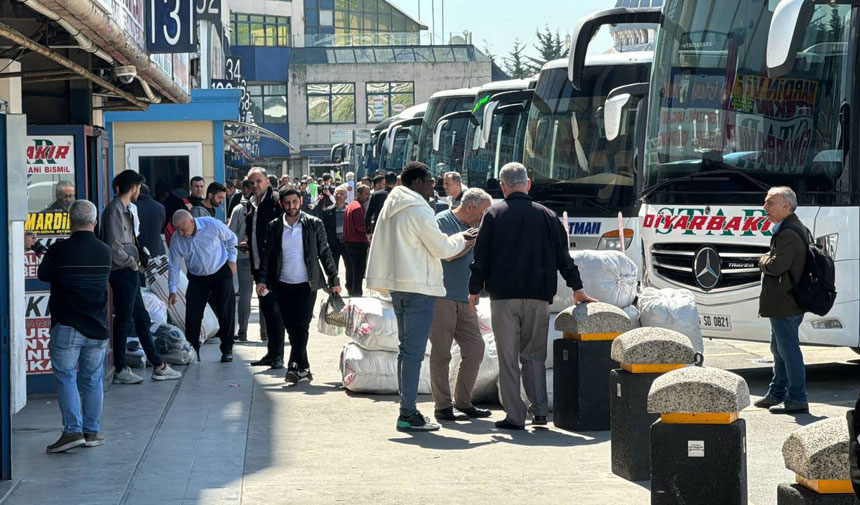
[[231, 434]]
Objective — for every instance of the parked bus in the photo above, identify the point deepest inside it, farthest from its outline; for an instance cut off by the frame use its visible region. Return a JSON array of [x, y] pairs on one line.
[[441, 105], [401, 137]]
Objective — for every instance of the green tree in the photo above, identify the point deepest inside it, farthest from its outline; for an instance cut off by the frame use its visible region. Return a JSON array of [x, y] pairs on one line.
[[515, 63], [549, 46], [836, 25], [486, 49]]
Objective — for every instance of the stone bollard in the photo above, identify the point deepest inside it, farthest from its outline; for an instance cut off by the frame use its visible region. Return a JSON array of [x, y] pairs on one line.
[[582, 363], [644, 354], [818, 455], [698, 447]]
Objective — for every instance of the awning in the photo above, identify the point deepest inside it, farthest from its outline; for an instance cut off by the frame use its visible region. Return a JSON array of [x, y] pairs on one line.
[[237, 130]]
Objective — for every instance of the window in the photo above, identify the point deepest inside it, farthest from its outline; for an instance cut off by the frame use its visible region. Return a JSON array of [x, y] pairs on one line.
[[255, 30], [269, 102], [331, 103], [355, 21], [386, 99]]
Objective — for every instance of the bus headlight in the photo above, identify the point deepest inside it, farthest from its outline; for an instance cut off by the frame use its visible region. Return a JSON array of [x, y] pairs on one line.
[[610, 242], [830, 323], [828, 244]]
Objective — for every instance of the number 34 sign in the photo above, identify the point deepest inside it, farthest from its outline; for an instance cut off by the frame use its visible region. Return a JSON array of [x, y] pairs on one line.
[[170, 26]]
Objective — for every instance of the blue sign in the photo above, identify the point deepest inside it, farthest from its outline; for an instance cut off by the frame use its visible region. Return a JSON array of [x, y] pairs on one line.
[[170, 26]]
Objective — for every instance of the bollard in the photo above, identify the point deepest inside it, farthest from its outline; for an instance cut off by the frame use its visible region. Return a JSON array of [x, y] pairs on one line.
[[698, 446], [582, 363], [818, 456], [644, 354]]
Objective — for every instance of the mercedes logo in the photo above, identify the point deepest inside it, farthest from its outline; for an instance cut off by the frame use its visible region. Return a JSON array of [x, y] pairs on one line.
[[706, 268]]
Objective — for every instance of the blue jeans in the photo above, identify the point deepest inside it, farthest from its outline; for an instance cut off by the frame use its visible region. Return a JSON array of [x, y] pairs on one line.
[[69, 348], [414, 318], [789, 372]]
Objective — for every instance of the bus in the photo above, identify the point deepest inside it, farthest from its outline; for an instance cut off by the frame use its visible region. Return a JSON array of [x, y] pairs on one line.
[[746, 95], [401, 137], [438, 116]]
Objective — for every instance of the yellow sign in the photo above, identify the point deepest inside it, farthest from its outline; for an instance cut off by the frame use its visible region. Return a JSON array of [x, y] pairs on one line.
[[48, 223]]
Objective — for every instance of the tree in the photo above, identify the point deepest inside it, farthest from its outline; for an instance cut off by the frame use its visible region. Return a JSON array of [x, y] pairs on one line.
[[488, 51], [835, 25], [515, 64], [549, 47]]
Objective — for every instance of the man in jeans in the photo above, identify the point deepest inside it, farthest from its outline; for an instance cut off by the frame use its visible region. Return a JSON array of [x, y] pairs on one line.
[[117, 231], [405, 259], [78, 269], [782, 266]]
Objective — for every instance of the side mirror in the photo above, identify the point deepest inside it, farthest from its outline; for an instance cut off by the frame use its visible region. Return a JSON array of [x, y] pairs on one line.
[[437, 134], [389, 140], [612, 113], [787, 27], [486, 131]]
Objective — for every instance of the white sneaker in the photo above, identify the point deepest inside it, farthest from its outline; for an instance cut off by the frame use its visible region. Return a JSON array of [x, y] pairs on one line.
[[165, 374], [126, 376]]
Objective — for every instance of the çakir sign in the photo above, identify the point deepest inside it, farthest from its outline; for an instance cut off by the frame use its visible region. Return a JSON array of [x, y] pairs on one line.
[[50, 155], [700, 221]]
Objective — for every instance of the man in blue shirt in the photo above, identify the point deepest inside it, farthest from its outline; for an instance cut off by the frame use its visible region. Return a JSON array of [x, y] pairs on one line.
[[209, 250], [454, 320]]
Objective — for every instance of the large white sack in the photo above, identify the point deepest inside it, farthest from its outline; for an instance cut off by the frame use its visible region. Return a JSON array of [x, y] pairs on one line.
[[488, 372], [674, 309], [371, 323], [525, 397], [156, 281], [633, 313], [156, 308], [375, 372], [485, 320], [609, 276]]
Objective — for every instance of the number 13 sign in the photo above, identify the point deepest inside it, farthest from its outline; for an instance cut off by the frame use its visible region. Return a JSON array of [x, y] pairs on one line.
[[170, 26]]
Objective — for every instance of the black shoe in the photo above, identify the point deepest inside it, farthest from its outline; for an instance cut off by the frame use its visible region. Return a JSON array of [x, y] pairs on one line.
[[295, 375], [264, 338], [766, 402], [416, 422], [277, 364], [789, 407], [241, 338], [539, 421], [227, 357], [504, 424], [449, 415], [476, 413], [264, 361]]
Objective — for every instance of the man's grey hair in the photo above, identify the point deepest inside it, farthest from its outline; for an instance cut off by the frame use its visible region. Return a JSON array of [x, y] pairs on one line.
[[475, 197], [350, 176], [343, 188], [180, 216], [514, 175], [453, 175], [257, 170], [787, 194], [58, 189], [82, 213]]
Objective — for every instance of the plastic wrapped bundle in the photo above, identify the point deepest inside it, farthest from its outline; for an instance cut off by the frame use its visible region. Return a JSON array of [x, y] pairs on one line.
[[156, 281], [371, 323], [375, 372], [674, 309], [609, 276], [488, 373]]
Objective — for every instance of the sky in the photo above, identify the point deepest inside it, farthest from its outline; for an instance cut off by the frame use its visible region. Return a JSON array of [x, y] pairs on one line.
[[500, 22]]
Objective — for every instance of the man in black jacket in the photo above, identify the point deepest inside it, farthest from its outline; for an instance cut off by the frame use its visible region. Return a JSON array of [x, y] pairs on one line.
[[262, 209], [519, 250], [377, 200], [152, 220], [290, 265]]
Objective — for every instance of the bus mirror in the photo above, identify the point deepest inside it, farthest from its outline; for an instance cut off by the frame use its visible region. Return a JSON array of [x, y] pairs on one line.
[[437, 134], [486, 129], [389, 140], [787, 27], [613, 111]]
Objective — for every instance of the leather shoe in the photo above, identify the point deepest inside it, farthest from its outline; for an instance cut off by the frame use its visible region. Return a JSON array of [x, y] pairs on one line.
[[241, 338], [766, 402], [227, 357], [264, 361], [475, 412], [277, 364], [504, 424], [539, 421], [789, 407], [449, 415]]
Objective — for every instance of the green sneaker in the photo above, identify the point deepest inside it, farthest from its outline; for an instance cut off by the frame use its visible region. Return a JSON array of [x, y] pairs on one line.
[[416, 422]]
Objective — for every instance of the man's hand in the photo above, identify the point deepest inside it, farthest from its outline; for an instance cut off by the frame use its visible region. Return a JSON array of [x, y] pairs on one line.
[[336, 289], [172, 299], [473, 302], [243, 245], [582, 297], [232, 265], [260, 289]]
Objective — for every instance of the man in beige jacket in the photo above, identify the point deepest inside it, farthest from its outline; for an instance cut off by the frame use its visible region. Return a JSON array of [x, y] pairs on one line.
[[405, 259]]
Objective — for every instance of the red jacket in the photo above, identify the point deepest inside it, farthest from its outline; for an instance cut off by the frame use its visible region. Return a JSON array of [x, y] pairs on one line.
[[354, 229]]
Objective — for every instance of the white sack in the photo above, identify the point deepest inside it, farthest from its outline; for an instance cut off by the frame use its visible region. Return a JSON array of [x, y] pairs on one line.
[[609, 276], [488, 372], [156, 281], [156, 308], [371, 323], [674, 309], [375, 372], [633, 313]]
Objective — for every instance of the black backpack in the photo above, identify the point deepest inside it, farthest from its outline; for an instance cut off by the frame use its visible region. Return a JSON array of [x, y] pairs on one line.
[[815, 291]]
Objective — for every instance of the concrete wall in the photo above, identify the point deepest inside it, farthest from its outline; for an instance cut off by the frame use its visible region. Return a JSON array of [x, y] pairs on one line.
[[164, 132]]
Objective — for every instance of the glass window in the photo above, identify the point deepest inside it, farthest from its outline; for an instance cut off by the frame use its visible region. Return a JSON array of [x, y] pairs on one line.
[[364, 56], [461, 54], [253, 30], [326, 18], [345, 56], [331, 103], [384, 55], [386, 99], [424, 54], [443, 54], [404, 54], [269, 102]]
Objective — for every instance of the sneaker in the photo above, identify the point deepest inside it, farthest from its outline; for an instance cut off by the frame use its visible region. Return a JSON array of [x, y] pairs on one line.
[[165, 374], [416, 422], [767, 402], [65, 442], [790, 407], [93, 440], [126, 376], [294, 376]]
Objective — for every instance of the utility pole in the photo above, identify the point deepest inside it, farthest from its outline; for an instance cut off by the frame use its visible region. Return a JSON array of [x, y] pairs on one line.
[[433, 15], [443, 23]]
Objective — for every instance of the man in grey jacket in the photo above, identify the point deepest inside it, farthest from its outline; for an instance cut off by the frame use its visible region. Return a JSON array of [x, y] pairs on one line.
[[130, 313]]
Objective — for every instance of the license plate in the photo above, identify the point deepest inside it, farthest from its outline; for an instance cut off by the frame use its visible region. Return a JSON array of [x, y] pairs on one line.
[[715, 322]]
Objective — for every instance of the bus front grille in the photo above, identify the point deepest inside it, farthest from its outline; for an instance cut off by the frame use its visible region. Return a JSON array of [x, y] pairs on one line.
[[738, 264]]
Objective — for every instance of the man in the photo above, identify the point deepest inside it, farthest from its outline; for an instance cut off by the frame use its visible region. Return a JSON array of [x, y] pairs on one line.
[[244, 283], [78, 269], [377, 201], [209, 250], [237, 198], [197, 195], [355, 241], [333, 218], [215, 195], [64, 195], [404, 260], [378, 184], [782, 266], [231, 186], [306, 196], [284, 182], [290, 265], [128, 308], [453, 189], [264, 208], [152, 221], [455, 321], [520, 247], [178, 198], [325, 197]]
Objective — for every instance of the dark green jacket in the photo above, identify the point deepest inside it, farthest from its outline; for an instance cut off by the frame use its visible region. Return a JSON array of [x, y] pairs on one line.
[[784, 262]]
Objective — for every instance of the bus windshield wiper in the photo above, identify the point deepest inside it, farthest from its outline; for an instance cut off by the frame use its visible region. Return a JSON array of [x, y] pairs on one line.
[[728, 170], [608, 210]]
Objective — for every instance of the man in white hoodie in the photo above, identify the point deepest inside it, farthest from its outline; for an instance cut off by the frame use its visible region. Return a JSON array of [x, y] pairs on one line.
[[405, 260]]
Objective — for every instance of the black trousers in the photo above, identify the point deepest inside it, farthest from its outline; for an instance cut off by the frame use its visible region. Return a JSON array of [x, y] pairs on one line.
[[217, 290], [130, 315], [355, 256], [296, 302]]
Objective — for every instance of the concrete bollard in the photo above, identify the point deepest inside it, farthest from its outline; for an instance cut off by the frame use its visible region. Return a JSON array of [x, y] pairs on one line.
[[698, 447], [818, 456], [644, 354], [582, 363]]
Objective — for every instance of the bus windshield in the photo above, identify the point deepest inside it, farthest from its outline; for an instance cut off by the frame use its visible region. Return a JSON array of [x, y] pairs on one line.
[[721, 131], [437, 108], [573, 166]]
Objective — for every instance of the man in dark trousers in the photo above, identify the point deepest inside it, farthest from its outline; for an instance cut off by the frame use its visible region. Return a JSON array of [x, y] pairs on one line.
[[209, 250], [333, 220], [78, 269], [263, 208], [377, 201], [152, 221], [520, 248], [782, 266], [355, 243], [290, 266]]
